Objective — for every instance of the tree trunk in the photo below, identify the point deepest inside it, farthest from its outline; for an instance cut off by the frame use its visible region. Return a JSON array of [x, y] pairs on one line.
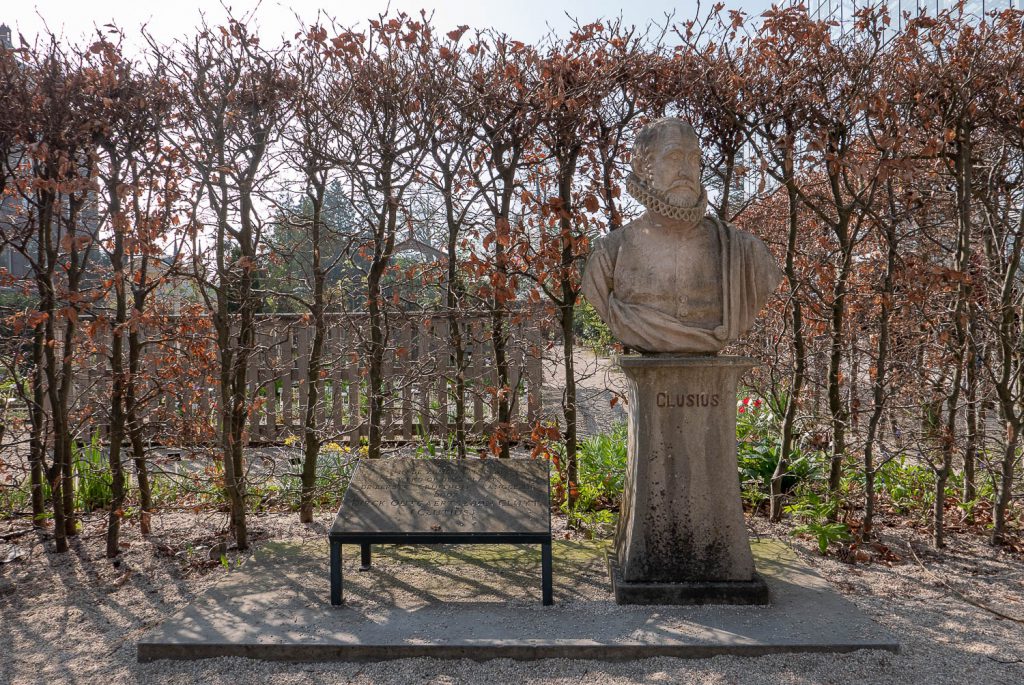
[[62, 441], [881, 365], [46, 367], [499, 335], [232, 405], [460, 388], [228, 433], [837, 409], [61, 477], [569, 407], [376, 365], [501, 292], [939, 510], [239, 406], [788, 428], [37, 436], [1006, 477], [970, 492], [1009, 383], [567, 307], [453, 301], [66, 373], [132, 409], [234, 468], [499, 343], [117, 393], [311, 445], [134, 422], [117, 433], [962, 171]]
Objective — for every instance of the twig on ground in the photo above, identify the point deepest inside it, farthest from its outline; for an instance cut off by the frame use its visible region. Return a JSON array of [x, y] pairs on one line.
[[16, 534], [959, 594], [1006, 661]]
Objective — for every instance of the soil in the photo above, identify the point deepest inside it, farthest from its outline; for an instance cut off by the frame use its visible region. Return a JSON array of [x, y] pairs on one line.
[[74, 618]]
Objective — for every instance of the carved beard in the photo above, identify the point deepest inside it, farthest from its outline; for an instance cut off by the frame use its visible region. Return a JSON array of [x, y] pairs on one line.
[[657, 201]]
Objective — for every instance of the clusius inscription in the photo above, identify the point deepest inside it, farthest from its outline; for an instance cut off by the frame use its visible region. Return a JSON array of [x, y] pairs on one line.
[[687, 399]]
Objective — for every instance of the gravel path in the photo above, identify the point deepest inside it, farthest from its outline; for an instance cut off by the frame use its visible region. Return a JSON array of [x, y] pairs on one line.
[[598, 383], [75, 619]]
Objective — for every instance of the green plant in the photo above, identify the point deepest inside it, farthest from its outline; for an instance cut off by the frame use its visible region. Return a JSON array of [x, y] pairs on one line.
[[756, 418], [8, 387], [188, 483], [596, 524], [826, 532], [265, 493], [427, 448], [909, 487], [758, 460], [164, 490], [336, 463], [93, 484], [601, 469], [15, 497], [757, 450], [227, 564], [817, 515], [590, 330], [334, 466], [753, 494]]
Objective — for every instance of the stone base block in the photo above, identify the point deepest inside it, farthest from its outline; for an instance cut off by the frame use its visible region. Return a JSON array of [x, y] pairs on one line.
[[479, 602], [754, 591], [682, 514]]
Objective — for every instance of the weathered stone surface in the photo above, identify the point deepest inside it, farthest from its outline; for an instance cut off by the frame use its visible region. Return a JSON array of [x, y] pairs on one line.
[[682, 516], [753, 591], [472, 602], [439, 496], [675, 280]]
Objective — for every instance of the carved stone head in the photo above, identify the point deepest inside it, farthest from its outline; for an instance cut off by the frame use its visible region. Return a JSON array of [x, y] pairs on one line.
[[667, 157], [666, 170]]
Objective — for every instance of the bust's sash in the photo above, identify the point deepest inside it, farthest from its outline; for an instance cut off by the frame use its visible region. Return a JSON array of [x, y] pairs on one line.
[[749, 275]]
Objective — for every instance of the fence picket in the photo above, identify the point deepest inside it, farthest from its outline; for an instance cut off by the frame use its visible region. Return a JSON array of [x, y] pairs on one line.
[[418, 381]]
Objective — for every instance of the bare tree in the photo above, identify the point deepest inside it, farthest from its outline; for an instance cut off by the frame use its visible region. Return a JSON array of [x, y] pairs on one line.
[[381, 142], [232, 104], [133, 108], [508, 123], [451, 137], [322, 91], [1002, 227], [53, 135]]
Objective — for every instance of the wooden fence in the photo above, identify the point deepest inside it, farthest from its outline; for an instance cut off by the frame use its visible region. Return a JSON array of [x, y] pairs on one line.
[[181, 391]]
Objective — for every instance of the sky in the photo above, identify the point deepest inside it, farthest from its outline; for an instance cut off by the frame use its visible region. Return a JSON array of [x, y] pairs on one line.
[[526, 20]]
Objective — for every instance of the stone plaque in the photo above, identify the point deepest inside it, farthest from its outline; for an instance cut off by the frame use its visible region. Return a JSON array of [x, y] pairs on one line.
[[444, 497]]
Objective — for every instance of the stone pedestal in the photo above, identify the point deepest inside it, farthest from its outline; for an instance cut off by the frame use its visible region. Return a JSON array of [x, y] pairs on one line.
[[681, 537]]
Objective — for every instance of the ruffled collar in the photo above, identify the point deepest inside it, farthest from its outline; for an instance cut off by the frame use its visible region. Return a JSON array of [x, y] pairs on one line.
[[657, 202]]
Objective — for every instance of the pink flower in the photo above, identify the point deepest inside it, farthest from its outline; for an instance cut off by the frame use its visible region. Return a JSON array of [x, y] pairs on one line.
[[746, 401], [742, 409]]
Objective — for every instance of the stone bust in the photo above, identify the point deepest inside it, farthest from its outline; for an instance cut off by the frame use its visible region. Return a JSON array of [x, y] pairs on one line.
[[676, 280]]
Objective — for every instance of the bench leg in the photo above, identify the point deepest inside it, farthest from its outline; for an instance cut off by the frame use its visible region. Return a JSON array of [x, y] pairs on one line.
[[545, 570], [335, 573], [364, 557]]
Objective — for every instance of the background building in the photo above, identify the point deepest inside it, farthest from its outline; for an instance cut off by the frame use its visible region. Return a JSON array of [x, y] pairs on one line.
[[843, 11]]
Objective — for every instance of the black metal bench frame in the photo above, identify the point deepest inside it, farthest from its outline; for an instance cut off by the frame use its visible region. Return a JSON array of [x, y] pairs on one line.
[[366, 540]]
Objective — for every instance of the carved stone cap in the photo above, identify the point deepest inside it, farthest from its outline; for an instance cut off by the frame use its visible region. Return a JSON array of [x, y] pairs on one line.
[[690, 360]]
